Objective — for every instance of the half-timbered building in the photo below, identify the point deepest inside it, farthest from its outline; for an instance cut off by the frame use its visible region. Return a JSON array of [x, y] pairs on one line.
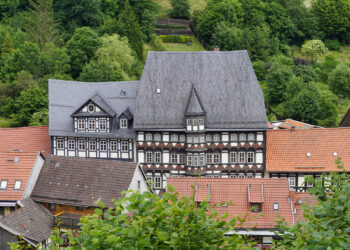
[[200, 113], [92, 119]]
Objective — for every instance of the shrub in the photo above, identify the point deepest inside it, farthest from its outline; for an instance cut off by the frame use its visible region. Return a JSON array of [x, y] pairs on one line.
[[181, 9], [332, 44], [175, 38], [157, 43]]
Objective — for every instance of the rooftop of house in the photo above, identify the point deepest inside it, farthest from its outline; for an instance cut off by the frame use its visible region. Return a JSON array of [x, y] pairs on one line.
[[81, 182], [290, 124], [345, 122], [32, 221], [243, 193], [66, 97], [225, 87], [307, 150], [19, 148], [300, 199]]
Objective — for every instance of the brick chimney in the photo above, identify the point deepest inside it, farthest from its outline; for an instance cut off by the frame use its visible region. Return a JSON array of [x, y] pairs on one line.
[[216, 48]]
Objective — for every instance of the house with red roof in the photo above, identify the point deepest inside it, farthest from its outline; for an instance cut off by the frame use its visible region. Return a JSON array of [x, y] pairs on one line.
[[22, 153]]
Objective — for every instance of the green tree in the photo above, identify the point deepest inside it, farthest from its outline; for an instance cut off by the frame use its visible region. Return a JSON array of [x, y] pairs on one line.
[[277, 80], [228, 37], [180, 9], [81, 48], [54, 60], [339, 80], [100, 71], [41, 26], [313, 49], [7, 46], [157, 43], [8, 7], [78, 13], [327, 224], [333, 16], [131, 29], [40, 118]]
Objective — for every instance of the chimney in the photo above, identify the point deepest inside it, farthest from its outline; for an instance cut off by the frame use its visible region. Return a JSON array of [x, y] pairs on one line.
[[292, 128], [216, 48]]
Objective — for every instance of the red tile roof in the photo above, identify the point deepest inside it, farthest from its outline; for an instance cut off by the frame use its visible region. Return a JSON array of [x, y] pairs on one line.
[[299, 200], [24, 143], [307, 150], [289, 123], [236, 190]]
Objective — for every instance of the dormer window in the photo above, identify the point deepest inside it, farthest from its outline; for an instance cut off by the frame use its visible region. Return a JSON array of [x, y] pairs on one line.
[[81, 124], [92, 124], [123, 123], [102, 124], [91, 108]]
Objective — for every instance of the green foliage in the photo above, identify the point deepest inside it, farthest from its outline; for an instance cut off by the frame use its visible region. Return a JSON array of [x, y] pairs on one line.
[[181, 9], [131, 29], [313, 49], [40, 24], [54, 60], [327, 224], [157, 43], [339, 80], [40, 118], [8, 7], [170, 26], [81, 48], [228, 37], [7, 46], [176, 38], [333, 16], [332, 44], [100, 71], [260, 70]]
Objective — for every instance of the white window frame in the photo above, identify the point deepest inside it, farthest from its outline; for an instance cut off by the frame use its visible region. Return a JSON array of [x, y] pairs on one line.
[[195, 160], [182, 158], [124, 146], [189, 160], [200, 121], [189, 139], [250, 157], [102, 124], [157, 137], [241, 157], [157, 157], [189, 122], [173, 158], [233, 157], [195, 139], [233, 137], [182, 138], [201, 160], [148, 137], [71, 144], [242, 137], [91, 124], [209, 158], [201, 139], [93, 108], [123, 123], [216, 138], [149, 157], [60, 144], [81, 145], [103, 145], [174, 138], [157, 182], [3, 184], [251, 137], [81, 124], [216, 158], [208, 138], [114, 145], [292, 181], [92, 145], [18, 184]]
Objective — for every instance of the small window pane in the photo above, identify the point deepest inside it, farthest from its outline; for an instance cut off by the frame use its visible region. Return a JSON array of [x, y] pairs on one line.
[[275, 206], [17, 185], [81, 124], [189, 122], [124, 146], [182, 138], [113, 146], [148, 157], [217, 137], [3, 184], [250, 157], [182, 158], [216, 158], [173, 158], [189, 139], [201, 160], [148, 137], [250, 137], [81, 145], [157, 182], [174, 138], [189, 160], [200, 121], [242, 137], [208, 138], [201, 139], [92, 145], [195, 139], [103, 125], [157, 157], [157, 137], [241, 157], [233, 137], [103, 145], [233, 157], [209, 158], [123, 123], [60, 144], [71, 144], [92, 124]]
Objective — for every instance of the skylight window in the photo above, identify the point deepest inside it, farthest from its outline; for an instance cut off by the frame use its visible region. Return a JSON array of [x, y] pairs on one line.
[[308, 154], [3, 185], [335, 153], [18, 185], [275, 206]]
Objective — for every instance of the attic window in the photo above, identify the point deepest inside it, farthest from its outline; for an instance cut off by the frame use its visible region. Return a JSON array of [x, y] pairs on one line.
[[158, 91], [255, 207], [123, 123], [335, 153], [122, 93], [91, 108], [3, 185], [308, 154], [275, 206], [18, 184], [16, 160]]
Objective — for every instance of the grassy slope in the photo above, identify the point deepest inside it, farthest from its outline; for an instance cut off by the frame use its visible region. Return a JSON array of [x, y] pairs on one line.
[[342, 55], [4, 122], [196, 46], [166, 6]]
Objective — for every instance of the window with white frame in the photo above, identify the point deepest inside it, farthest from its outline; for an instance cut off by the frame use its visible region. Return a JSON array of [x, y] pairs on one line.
[[250, 175], [233, 137], [182, 158], [124, 146], [60, 144], [103, 124], [189, 160], [216, 158], [250, 137], [92, 145], [216, 137], [242, 137], [157, 157], [241, 157], [81, 144], [103, 145], [173, 158], [81, 124], [3, 184], [195, 160], [149, 157], [209, 158], [92, 124], [250, 157], [182, 138], [195, 122], [148, 137], [174, 138], [18, 184], [156, 137], [157, 181], [200, 121], [91, 108], [201, 139], [123, 123], [241, 175], [195, 139], [233, 157], [189, 139], [208, 138], [201, 160], [114, 145], [71, 144], [189, 122], [292, 181], [233, 175]]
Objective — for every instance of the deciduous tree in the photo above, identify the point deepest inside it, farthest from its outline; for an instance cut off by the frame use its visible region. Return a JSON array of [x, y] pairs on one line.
[[313, 49]]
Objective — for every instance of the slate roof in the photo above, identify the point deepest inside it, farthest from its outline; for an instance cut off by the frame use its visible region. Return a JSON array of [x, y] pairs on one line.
[[236, 190], [225, 83], [194, 105], [99, 102], [307, 150], [65, 97], [80, 181], [25, 144], [32, 221]]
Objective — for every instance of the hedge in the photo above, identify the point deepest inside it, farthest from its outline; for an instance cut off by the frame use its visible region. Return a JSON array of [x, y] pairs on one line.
[[176, 38]]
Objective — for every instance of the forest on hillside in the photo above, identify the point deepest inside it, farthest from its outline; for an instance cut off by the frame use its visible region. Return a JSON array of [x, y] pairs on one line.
[[294, 49]]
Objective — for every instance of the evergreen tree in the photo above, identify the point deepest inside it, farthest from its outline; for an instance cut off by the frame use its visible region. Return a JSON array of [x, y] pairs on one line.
[[7, 46], [181, 9], [131, 29], [41, 26]]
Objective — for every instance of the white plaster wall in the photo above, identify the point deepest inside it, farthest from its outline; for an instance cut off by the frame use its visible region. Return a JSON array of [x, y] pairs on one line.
[[166, 157], [60, 152], [141, 156], [38, 164], [260, 137], [224, 158], [138, 176], [259, 157]]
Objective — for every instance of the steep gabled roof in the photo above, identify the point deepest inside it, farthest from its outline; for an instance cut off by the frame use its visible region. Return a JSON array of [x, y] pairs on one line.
[[127, 114], [97, 100], [307, 150], [80, 181], [65, 97], [225, 83], [224, 190], [194, 106], [19, 149], [32, 221]]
